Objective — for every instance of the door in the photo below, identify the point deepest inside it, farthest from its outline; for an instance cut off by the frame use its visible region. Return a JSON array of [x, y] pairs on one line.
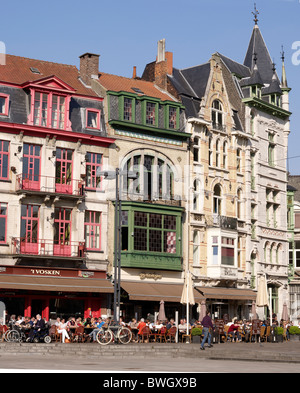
[[62, 232], [29, 229], [31, 167], [63, 176]]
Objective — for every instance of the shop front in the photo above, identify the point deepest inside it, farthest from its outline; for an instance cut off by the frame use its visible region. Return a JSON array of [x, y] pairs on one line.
[[53, 293]]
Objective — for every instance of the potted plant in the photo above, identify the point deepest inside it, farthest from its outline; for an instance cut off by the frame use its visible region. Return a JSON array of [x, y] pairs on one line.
[[294, 332], [278, 331], [196, 335]]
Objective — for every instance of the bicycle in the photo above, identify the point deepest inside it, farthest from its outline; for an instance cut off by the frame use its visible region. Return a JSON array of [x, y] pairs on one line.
[[106, 335], [15, 335]]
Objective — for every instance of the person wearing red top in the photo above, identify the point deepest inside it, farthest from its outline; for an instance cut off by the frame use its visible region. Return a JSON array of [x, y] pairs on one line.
[[234, 331], [141, 326]]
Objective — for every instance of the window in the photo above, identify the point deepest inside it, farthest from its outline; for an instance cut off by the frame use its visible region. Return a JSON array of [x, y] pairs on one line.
[[155, 177], [297, 254], [196, 195], [154, 232], [93, 119], [225, 154], [271, 149], [196, 149], [31, 167], [150, 113], [58, 112], [215, 250], [29, 229], [172, 117], [217, 115], [62, 231], [49, 110], [238, 160], [217, 200], [4, 160], [3, 222], [210, 152], [252, 157], [239, 204], [40, 116], [93, 168], [4, 100], [227, 252], [63, 174], [196, 248], [92, 230], [217, 153], [128, 109]]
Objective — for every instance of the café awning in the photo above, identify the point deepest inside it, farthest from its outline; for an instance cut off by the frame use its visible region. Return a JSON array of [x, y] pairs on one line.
[[172, 292], [156, 291], [228, 293], [62, 284]]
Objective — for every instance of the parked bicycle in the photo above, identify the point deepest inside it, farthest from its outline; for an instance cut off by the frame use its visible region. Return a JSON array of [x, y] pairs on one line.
[[108, 334]]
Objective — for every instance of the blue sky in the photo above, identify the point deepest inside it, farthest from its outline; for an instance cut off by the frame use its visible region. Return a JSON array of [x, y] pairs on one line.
[[125, 34]]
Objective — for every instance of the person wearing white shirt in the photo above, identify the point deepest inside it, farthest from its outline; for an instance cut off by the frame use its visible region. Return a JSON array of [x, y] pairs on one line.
[[63, 331]]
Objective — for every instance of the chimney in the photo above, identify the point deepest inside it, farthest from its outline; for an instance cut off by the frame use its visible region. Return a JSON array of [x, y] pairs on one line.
[[89, 67], [163, 65], [134, 72]]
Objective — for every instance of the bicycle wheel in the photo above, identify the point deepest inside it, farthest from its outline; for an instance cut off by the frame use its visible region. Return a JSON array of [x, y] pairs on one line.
[[104, 336], [13, 336], [124, 335]]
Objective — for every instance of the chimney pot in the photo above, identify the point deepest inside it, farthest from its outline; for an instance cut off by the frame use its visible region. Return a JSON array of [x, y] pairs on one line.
[[134, 72]]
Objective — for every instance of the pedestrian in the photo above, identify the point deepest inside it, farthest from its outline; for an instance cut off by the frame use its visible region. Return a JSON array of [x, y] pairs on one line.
[[207, 326]]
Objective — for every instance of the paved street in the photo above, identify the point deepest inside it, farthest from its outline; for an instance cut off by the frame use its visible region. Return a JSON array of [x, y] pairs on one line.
[[174, 358]]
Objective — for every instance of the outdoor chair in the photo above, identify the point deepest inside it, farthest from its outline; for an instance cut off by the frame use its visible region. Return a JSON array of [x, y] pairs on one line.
[[171, 334], [160, 335], [262, 333], [78, 335], [53, 333], [284, 334], [146, 333]]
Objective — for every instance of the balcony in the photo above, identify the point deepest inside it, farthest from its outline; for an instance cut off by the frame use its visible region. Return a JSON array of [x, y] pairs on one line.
[[44, 248], [45, 185], [221, 222]]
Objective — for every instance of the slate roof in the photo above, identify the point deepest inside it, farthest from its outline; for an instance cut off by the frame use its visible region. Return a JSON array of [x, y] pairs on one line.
[[17, 70]]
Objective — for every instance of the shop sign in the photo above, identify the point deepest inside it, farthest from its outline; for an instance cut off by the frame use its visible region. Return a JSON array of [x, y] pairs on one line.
[[154, 276], [45, 272]]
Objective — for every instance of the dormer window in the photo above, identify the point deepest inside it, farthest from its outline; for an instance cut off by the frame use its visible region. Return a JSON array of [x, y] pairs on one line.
[[4, 98], [93, 119], [50, 101], [150, 113], [172, 117]]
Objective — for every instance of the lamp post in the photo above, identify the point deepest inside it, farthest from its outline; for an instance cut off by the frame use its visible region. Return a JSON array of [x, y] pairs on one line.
[[117, 234]]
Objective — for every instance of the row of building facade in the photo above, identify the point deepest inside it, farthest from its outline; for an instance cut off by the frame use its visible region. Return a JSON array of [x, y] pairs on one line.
[[207, 145]]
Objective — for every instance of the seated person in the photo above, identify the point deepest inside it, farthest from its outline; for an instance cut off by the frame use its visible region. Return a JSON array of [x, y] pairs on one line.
[[234, 331]]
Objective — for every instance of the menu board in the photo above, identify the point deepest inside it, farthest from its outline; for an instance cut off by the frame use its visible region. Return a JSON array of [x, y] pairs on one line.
[[219, 325], [256, 326]]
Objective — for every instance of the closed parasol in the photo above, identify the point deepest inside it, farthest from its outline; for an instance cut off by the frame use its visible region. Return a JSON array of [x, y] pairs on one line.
[[285, 314], [262, 298], [202, 310], [253, 310], [161, 315]]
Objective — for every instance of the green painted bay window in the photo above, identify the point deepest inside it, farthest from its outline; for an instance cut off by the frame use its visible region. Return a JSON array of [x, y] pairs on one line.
[[151, 236]]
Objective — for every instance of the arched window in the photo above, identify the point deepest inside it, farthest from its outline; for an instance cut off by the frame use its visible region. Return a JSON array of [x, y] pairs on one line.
[[155, 176], [217, 115], [217, 200]]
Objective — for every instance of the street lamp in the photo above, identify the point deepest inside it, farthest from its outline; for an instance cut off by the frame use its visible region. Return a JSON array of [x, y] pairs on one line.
[[116, 174]]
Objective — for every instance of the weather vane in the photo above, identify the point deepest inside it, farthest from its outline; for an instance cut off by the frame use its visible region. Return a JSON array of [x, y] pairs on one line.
[[255, 13]]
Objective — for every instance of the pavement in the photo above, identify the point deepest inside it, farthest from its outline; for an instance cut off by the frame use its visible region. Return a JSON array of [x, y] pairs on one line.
[[151, 357]]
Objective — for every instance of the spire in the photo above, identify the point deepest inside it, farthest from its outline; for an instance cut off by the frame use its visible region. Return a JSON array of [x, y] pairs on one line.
[[284, 84], [258, 50]]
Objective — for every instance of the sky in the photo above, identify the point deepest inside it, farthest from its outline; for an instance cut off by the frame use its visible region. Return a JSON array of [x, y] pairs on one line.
[[125, 34]]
